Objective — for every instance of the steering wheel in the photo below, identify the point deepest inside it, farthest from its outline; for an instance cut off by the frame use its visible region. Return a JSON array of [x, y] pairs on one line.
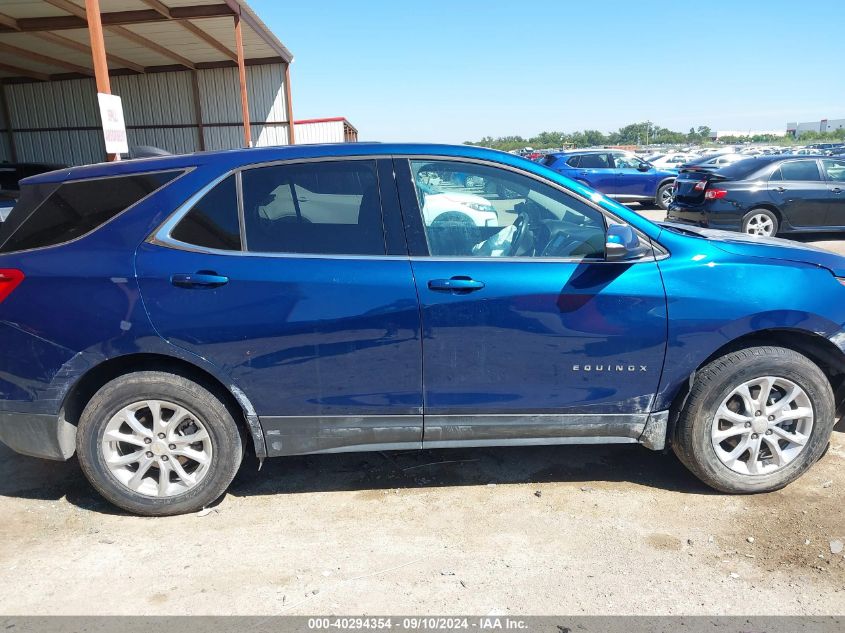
[[520, 224]]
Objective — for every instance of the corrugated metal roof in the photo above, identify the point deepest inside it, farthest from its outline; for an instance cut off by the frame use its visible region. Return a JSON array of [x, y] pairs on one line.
[[21, 22]]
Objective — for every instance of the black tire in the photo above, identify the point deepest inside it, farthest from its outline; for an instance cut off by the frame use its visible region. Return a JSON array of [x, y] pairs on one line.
[[756, 213], [713, 383], [661, 199], [223, 432]]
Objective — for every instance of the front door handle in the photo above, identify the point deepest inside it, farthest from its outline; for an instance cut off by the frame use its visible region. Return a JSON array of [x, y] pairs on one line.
[[457, 285], [202, 279], [837, 190]]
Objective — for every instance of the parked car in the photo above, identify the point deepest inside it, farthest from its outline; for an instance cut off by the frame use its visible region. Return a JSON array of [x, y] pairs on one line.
[[765, 195], [12, 173], [158, 322], [620, 175], [8, 200], [672, 161], [713, 162]]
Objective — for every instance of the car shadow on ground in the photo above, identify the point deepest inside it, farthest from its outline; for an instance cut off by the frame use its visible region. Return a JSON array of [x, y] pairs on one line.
[[584, 465], [29, 478], [820, 236]]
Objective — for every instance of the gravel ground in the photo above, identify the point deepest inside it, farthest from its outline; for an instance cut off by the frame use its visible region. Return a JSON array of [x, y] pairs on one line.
[[579, 530]]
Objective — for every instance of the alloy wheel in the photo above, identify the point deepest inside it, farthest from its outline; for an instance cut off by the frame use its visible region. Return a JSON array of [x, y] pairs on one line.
[[762, 426], [760, 224], [157, 448]]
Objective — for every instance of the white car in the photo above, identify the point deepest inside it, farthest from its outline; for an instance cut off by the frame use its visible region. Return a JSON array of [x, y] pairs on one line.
[[455, 206], [672, 160], [721, 160]]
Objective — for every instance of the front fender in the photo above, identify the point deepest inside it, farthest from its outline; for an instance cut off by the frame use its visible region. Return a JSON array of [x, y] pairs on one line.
[[715, 298]]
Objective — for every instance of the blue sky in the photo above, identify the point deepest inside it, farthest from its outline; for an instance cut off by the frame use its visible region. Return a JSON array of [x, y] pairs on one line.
[[450, 71]]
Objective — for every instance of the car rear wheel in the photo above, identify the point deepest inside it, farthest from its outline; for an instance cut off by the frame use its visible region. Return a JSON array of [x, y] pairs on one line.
[[665, 196], [158, 444], [760, 222], [755, 420]]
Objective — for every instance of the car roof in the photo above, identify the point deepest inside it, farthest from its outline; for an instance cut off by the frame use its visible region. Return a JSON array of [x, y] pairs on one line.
[[234, 158], [571, 152], [774, 158]]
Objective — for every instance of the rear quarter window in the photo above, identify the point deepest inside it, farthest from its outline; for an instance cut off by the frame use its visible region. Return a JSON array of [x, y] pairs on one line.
[[742, 169], [50, 214]]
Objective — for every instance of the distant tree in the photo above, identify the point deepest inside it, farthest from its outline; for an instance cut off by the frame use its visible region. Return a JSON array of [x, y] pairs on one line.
[[632, 134]]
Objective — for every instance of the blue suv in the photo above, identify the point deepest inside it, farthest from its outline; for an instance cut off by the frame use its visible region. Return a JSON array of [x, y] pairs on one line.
[[161, 317], [620, 175]]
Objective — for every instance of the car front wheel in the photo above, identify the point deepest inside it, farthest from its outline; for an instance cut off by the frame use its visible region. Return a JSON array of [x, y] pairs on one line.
[[158, 444], [755, 420]]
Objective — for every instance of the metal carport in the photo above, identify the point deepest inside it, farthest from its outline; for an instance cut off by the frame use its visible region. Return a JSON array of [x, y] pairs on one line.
[[192, 74]]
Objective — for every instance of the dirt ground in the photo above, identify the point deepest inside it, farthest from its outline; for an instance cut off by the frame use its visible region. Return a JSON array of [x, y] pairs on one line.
[[548, 530], [577, 530]]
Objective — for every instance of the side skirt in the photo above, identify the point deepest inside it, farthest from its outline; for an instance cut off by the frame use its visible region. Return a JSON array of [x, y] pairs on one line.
[[299, 435]]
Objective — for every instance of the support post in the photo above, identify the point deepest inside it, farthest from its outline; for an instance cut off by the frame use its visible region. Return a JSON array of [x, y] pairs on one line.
[[195, 84], [291, 135], [239, 45], [7, 116], [98, 52]]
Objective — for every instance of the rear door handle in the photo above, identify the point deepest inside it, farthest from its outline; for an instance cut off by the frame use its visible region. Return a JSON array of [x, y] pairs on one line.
[[458, 285], [837, 190], [202, 279], [780, 189]]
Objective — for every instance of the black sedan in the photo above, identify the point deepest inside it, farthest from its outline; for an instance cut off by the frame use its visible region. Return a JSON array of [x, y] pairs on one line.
[[764, 195]]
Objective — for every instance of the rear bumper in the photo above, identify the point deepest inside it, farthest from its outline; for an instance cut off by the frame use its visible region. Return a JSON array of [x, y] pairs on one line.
[[705, 218], [38, 435]]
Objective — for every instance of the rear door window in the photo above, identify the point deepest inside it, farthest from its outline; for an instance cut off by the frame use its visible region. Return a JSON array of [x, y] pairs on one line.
[[574, 161], [800, 170], [324, 207], [49, 214], [594, 161]]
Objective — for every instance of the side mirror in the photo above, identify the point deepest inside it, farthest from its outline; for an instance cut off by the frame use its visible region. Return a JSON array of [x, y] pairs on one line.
[[644, 166], [621, 243]]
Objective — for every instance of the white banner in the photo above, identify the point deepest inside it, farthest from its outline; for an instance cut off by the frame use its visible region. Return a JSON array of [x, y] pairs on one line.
[[114, 127]]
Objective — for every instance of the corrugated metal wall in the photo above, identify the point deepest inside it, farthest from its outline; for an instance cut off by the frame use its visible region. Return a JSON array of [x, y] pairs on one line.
[[320, 132], [221, 104], [5, 141], [59, 122]]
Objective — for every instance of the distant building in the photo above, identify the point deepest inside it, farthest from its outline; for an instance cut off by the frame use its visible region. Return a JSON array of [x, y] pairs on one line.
[[722, 133], [332, 130], [825, 125]]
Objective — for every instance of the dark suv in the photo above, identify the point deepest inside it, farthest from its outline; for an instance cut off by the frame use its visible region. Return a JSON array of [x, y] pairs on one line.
[[764, 195]]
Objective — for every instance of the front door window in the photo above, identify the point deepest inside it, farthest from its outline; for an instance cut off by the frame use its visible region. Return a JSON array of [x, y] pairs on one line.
[[472, 210]]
